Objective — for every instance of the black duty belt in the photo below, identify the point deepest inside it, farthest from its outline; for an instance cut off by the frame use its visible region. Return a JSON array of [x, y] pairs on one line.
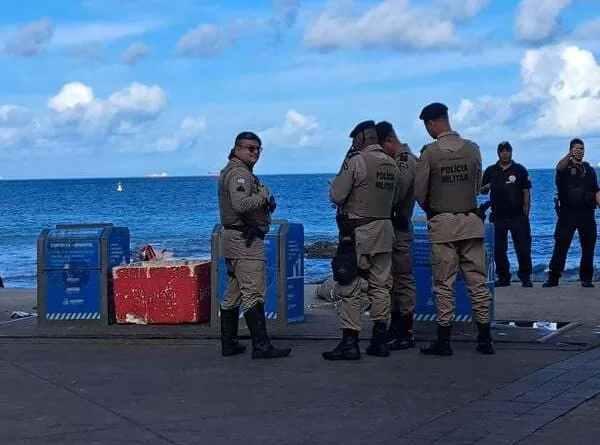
[[432, 214], [357, 222], [243, 228]]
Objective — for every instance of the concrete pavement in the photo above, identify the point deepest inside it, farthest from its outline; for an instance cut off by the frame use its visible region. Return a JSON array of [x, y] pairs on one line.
[[175, 388]]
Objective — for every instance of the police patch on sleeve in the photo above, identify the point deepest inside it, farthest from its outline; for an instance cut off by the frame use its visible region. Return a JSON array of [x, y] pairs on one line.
[[240, 188], [241, 180]]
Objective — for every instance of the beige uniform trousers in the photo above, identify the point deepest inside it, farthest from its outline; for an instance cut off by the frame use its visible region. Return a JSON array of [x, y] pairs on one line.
[[378, 293], [404, 288], [246, 283], [446, 259]]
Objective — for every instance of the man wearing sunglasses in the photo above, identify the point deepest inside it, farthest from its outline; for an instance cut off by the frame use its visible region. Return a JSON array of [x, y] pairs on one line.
[[245, 206], [509, 186]]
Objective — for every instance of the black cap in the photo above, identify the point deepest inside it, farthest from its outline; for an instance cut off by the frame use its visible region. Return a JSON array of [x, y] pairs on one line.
[[433, 111], [249, 136], [384, 129], [504, 145], [365, 125]]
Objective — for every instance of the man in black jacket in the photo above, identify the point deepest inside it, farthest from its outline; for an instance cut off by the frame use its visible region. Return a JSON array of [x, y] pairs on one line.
[[578, 196]]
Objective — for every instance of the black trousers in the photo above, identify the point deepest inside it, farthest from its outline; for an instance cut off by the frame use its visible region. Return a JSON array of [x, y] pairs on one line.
[[520, 231], [569, 220]]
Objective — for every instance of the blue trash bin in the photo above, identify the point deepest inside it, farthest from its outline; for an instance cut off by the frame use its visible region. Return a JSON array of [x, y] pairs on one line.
[[74, 272], [421, 252], [284, 256]]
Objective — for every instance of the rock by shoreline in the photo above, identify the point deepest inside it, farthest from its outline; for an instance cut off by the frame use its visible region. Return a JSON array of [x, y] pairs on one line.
[[320, 249]]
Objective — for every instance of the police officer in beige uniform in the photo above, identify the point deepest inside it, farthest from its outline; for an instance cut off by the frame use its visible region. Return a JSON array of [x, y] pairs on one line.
[[364, 190], [245, 206], [403, 294], [447, 182]]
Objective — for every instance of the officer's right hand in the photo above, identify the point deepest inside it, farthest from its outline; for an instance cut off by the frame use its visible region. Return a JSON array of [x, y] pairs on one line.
[[264, 192]]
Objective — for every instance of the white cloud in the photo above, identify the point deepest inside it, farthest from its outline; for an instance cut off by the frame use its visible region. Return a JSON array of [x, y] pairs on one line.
[[77, 34], [286, 11], [76, 120], [205, 41], [126, 112], [560, 97], [15, 124], [186, 136], [30, 39], [297, 131], [537, 19], [395, 24], [588, 30], [134, 53], [462, 9], [70, 96]]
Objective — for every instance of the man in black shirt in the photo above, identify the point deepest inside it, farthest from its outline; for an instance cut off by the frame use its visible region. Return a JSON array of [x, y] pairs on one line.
[[578, 196], [510, 198]]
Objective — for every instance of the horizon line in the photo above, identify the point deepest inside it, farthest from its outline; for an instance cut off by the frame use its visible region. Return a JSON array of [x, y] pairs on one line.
[[193, 176]]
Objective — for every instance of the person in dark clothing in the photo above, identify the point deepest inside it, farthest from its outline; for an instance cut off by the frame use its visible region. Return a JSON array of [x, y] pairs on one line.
[[510, 195], [578, 196]]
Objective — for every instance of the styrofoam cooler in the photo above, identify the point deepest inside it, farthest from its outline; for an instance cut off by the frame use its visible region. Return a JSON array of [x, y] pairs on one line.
[[169, 292]]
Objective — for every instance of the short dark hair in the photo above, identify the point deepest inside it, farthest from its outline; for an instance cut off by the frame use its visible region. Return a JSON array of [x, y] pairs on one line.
[[574, 142], [248, 135]]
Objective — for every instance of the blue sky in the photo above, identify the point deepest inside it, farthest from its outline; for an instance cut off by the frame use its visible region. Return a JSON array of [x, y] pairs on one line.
[[114, 88]]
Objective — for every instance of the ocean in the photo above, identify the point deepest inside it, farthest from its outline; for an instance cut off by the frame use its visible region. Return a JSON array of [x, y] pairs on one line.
[[179, 213]]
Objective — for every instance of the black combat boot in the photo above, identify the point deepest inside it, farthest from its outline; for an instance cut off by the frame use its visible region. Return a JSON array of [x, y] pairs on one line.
[[551, 281], [404, 339], [229, 331], [378, 346], [442, 345], [526, 282], [485, 345], [395, 326], [347, 349], [257, 324]]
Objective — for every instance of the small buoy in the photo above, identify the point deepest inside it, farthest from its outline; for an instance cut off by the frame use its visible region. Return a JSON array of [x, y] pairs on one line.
[[119, 187]]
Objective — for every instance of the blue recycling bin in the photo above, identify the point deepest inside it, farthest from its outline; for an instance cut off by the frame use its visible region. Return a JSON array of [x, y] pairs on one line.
[[74, 272], [421, 252], [284, 256]]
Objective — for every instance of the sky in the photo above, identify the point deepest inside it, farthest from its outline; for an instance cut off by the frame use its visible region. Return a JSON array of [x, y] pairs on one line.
[[123, 88]]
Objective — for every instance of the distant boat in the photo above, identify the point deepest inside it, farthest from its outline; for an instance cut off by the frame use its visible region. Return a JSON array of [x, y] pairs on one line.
[[119, 187]]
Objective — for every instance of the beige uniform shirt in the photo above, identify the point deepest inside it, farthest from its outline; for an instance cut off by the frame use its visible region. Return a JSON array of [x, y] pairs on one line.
[[447, 227], [376, 236], [238, 195]]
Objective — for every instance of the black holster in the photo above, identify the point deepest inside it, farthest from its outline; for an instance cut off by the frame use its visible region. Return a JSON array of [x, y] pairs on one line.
[[343, 264], [399, 221], [249, 229]]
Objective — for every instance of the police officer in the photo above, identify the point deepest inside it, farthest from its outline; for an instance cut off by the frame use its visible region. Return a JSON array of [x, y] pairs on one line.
[[245, 206], [447, 182], [364, 190], [403, 294], [578, 196], [510, 193]]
